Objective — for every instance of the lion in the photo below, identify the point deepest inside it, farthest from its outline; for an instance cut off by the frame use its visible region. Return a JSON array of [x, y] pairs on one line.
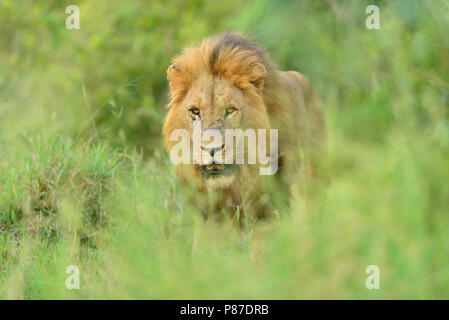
[[228, 82]]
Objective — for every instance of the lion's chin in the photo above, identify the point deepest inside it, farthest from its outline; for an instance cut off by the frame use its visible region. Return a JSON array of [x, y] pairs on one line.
[[219, 182]]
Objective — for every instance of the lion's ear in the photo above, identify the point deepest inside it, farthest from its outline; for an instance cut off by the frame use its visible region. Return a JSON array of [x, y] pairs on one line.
[[257, 74], [173, 73]]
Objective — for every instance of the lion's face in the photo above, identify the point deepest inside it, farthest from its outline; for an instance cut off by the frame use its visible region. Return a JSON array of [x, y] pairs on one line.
[[218, 108], [219, 88], [216, 103]]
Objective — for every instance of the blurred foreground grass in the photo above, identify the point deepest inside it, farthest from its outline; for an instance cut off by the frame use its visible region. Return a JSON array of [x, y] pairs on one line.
[[84, 181]]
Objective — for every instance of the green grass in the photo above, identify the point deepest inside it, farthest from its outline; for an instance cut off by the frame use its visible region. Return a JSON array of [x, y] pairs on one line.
[[84, 180]]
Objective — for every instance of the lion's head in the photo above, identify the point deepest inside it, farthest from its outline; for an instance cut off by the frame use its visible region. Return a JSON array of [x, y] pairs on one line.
[[218, 86]]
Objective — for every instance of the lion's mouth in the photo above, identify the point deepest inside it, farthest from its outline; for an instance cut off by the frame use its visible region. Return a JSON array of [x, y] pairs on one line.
[[216, 169]]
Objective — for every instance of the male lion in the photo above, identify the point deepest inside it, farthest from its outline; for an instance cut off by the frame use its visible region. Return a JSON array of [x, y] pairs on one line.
[[229, 82]]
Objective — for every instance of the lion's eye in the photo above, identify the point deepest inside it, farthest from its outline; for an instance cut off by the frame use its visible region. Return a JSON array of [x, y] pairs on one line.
[[229, 110], [195, 110]]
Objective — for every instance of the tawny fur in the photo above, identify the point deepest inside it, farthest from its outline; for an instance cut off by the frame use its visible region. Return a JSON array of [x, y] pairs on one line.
[[273, 99]]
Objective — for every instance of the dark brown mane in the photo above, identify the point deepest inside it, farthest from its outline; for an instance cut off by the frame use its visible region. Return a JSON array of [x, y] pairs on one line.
[[235, 41], [229, 55]]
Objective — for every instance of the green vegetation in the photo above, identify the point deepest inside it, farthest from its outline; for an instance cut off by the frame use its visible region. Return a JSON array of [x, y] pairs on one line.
[[84, 179]]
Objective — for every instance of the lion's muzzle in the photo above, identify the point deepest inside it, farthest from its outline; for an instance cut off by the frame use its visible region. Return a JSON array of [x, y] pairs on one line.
[[216, 169]]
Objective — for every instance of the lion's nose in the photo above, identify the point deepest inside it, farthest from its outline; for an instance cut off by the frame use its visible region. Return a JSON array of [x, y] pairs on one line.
[[212, 150]]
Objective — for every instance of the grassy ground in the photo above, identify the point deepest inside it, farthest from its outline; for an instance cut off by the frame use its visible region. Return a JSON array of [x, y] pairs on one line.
[[84, 181]]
